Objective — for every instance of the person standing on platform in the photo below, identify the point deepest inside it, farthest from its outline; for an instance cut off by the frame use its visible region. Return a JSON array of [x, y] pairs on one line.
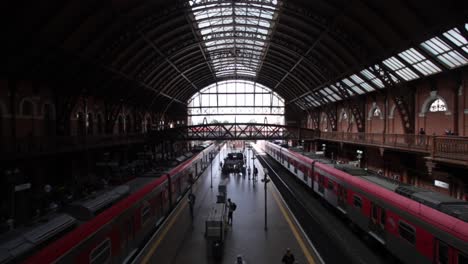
[[288, 257], [248, 172], [231, 208], [240, 260], [191, 201], [255, 173]]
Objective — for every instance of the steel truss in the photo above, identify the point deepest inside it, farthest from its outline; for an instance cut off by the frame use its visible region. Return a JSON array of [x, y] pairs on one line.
[[234, 131]]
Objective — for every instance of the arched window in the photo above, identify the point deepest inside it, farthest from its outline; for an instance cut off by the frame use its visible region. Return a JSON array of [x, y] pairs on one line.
[[90, 124], [344, 115], [27, 108], [376, 112], [438, 106], [238, 101]]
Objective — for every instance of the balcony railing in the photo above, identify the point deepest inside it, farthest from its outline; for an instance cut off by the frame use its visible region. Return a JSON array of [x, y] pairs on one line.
[[420, 143], [41, 145], [449, 148]]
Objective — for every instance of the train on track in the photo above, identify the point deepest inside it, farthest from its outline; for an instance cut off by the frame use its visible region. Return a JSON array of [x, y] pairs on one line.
[[234, 163], [414, 224], [111, 226]]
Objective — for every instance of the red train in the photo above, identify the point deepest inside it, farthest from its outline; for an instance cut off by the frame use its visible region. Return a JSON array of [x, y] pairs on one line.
[[416, 225], [115, 234]]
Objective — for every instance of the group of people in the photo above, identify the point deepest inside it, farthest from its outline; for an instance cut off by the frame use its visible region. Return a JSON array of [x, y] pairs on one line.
[[255, 173], [288, 258]]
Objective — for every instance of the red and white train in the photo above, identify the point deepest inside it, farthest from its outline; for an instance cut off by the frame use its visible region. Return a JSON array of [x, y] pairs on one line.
[[416, 225], [112, 235]]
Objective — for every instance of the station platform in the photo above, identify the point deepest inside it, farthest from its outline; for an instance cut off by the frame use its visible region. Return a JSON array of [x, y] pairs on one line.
[[182, 239]]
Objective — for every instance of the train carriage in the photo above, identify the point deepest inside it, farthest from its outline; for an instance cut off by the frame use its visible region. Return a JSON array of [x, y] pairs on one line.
[[416, 225], [114, 235]]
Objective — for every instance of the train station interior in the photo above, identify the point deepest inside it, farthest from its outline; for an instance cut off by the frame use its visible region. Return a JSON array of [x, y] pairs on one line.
[[125, 127]]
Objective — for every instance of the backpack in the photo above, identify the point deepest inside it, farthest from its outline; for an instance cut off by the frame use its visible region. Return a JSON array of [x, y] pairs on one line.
[[233, 206]]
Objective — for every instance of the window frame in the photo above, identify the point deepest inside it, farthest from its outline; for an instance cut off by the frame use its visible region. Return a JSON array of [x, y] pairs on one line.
[[402, 225], [98, 246]]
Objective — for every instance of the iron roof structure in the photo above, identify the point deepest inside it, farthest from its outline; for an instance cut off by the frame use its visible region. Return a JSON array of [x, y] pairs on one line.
[[159, 53]]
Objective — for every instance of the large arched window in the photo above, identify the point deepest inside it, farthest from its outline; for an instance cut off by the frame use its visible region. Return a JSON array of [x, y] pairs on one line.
[[236, 101], [438, 106]]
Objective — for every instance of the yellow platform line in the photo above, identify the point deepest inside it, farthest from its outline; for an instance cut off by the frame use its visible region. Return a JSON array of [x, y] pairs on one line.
[[298, 237], [163, 234]]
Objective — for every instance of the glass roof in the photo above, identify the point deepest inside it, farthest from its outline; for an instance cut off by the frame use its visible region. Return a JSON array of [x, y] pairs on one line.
[[449, 49], [235, 33]]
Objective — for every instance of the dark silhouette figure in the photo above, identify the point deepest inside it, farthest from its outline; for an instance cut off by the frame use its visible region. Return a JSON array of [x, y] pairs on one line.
[[191, 201], [288, 257]]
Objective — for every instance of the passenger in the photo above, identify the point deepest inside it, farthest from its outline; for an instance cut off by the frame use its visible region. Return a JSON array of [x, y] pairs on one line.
[[288, 257], [231, 207], [255, 173], [248, 172], [240, 260], [191, 201]]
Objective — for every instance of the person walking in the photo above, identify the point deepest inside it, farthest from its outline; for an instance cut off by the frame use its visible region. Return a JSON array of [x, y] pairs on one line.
[[249, 171], [191, 202], [231, 208], [255, 173], [288, 257]]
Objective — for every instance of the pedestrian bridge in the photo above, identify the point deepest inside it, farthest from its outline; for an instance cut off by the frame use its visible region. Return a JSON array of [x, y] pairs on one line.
[[235, 131]]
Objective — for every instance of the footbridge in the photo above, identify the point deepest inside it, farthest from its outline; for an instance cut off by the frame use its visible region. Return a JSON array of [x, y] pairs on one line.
[[235, 131]]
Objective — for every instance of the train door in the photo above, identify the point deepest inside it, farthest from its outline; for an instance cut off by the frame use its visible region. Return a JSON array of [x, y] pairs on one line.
[[445, 254], [342, 194], [321, 184], [127, 233], [377, 222]]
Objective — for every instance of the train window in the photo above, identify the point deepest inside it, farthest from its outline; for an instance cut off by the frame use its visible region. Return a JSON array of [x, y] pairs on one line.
[[145, 212], [383, 216], [295, 169], [357, 201], [374, 212], [101, 253], [407, 232], [330, 184], [462, 259]]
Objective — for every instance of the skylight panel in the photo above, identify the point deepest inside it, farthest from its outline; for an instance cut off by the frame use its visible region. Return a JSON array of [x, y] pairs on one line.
[[371, 77], [399, 68], [362, 83], [419, 61], [444, 52], [247, 36], [352, 86]]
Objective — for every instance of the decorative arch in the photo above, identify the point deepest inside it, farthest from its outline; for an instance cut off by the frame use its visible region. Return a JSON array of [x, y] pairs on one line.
[[27, 105], [373, 109], [429, 100]]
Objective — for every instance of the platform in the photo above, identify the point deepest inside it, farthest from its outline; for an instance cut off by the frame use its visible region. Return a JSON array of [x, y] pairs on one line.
[[181, 241]]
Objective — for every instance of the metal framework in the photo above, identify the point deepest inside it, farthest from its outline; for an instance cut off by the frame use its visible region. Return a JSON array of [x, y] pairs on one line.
[[234, 131], [159, 53]]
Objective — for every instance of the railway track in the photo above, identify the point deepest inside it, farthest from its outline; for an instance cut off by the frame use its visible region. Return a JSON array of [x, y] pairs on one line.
[[330, 233]]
